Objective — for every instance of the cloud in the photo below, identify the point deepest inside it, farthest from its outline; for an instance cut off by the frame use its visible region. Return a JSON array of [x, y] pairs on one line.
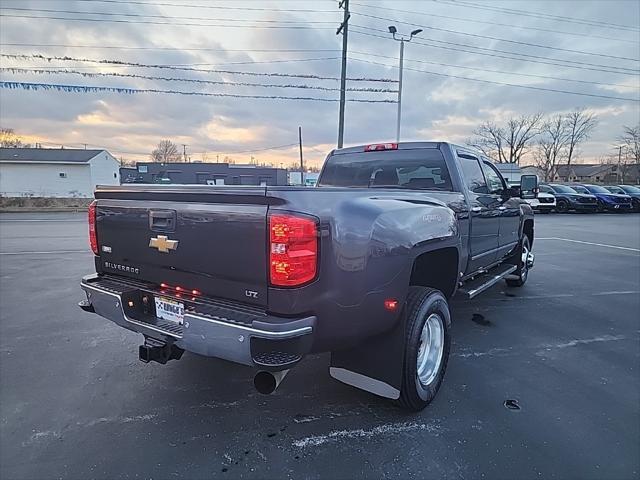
[[434, 106]]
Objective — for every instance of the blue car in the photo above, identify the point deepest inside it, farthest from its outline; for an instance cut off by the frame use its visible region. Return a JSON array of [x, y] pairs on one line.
[[607, 201], [633, 192]]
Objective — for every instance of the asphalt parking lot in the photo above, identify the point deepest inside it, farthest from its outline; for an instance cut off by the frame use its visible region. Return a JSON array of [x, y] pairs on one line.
[[76, 402]]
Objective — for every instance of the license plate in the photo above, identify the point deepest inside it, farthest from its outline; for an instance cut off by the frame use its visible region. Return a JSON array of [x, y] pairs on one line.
[[169, 310]]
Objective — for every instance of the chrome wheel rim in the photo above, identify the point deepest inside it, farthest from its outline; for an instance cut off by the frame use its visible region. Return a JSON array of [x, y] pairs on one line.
[[525, 260], [431, 349]]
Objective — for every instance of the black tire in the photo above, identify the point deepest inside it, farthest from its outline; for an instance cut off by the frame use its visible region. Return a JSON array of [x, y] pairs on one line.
[[423, 303], [562, 206], [522, 272], [601, 207]]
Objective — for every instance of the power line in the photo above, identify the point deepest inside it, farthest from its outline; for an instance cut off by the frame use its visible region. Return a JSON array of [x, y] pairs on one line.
[[47, 71], [416, 42], [213, 151], [17, 56], [533, 75], [212, 7], [530, 87], [504, 25], [206, 64], [123, 90], [488, 37], [526, 13], [176, 24], [185, 49], [172, 17], [236, 152], [634, 71]]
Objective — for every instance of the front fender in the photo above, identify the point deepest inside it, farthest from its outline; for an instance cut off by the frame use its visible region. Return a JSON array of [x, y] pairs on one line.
[[526, 213]]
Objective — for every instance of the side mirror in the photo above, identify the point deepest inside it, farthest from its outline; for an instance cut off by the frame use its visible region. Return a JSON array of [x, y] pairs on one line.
[[529, 186]]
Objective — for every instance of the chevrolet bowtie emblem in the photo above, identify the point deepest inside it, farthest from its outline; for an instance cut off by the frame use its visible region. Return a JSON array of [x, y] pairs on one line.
[[163, 244]]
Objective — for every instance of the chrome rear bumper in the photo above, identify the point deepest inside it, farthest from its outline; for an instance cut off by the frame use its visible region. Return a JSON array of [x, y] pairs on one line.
[[256, 340]]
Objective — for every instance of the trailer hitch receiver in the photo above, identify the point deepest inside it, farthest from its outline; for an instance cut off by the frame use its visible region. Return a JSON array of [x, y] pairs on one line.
[[159, 351]]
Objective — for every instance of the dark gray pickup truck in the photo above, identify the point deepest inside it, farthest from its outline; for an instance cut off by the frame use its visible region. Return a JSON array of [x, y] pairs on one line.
[[361, 266]]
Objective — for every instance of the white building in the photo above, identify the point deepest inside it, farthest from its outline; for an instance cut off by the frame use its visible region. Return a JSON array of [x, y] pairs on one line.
[[60, 173]]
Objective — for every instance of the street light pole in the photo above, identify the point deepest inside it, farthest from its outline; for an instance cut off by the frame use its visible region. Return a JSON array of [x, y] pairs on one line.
[[400, 91], [393, 30]]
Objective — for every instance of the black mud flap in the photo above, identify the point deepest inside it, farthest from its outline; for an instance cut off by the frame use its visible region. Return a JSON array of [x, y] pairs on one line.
[[374, 366]]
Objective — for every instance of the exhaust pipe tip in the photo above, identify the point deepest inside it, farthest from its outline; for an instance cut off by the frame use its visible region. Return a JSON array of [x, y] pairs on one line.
[[267, 382]]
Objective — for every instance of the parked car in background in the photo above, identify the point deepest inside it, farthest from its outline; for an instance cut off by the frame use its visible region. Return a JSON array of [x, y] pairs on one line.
[[545, 203], [568, 199], [633, 192], [511, 172], [607, 201]]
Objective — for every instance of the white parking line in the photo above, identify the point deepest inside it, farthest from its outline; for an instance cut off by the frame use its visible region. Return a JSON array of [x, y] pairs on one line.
[[617, 247], [45, 253]]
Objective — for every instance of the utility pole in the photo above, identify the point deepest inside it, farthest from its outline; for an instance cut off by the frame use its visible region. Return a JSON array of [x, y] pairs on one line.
[[619, 164], [301, 161], [184, 152], [344, 28]]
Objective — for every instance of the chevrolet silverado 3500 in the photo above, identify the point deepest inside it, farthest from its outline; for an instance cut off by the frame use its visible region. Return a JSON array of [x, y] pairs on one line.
[[362, 266]]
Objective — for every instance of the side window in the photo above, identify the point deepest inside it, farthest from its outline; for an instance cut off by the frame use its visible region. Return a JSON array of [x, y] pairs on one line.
[[495, 183], [472, 174], [545, 189]]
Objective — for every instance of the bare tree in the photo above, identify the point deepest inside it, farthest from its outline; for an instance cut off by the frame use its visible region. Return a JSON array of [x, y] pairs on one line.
[[166, 151], [9, 139], [630, 141], [551, 146], [507, 144], [580, 125], [628, 152]]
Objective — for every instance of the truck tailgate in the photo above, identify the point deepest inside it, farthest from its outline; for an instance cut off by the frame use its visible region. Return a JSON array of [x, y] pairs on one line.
[[212, 239]]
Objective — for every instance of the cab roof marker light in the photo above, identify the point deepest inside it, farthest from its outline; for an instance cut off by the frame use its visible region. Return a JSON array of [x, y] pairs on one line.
[[377, 147]]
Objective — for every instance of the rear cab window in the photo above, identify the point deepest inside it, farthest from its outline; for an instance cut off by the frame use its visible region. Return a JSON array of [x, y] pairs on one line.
[[415, 169]]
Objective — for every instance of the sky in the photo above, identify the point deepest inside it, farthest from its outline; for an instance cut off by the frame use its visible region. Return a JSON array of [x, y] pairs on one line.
[[454, 77]]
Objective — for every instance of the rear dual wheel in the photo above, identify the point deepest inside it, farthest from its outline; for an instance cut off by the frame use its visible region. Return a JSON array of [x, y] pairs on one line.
[[428, 342]]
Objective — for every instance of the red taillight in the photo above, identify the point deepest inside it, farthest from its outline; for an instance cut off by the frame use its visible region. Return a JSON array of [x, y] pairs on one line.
[[93, 236], [376, 147], [293, 250]]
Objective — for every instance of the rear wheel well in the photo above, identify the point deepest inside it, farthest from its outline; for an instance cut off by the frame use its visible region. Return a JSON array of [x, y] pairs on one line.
[[436, 269], [528, 230]]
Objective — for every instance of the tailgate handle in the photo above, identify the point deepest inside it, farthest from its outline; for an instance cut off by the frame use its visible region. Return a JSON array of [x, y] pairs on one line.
[[162, 220]]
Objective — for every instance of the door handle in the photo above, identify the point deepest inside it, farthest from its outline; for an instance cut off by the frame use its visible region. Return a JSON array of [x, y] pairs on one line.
[[162, 220], [476, 209], [502, 207]]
